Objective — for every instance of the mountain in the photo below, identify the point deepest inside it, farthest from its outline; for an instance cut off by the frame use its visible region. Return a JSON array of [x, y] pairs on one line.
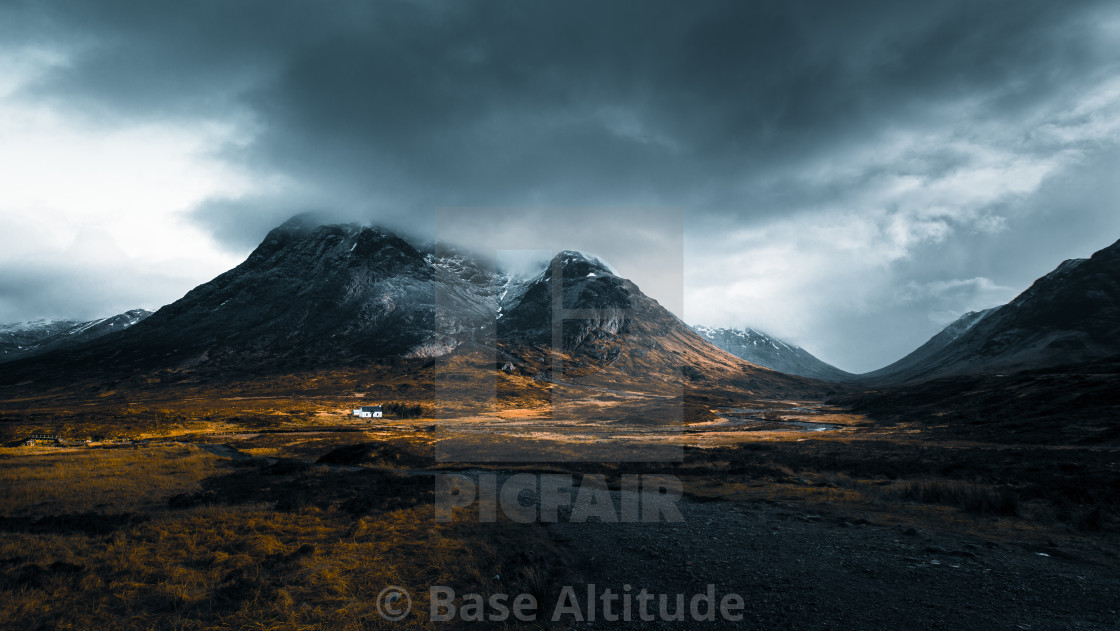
[[313, 295], [600, 322], [924, 355], [1068, 316], [1069, 404], [762, 349], [364, 301], [586, 284], [27, 339]]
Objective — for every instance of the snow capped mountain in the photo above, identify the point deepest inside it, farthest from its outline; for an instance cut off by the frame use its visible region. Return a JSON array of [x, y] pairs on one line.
[[26, 339], [610, 329], [500, 288], [314, 295], [21, 339], [587, 285], [318, 294], [345, 296], [762, 349], [1070, 315]]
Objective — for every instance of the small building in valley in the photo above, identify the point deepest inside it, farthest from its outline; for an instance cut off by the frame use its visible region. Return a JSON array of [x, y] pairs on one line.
[[368, 411]]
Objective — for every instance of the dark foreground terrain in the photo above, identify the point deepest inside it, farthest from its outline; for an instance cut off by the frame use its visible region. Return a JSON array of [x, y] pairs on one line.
[[1064, 404], [801, 570], [275, 520]]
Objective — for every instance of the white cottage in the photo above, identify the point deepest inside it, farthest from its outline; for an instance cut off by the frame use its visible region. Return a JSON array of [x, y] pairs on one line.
[[368, 411]]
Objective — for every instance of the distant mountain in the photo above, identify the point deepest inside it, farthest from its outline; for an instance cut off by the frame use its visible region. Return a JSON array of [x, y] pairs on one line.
[[26, 339], [762, 349], [1068, 316]]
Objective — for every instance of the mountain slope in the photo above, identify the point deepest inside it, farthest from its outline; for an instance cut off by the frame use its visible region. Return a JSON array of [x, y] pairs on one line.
[[34, 338], [607, 323], [591, 333], [924, 355], [770, 352], [355, 298], [1068, 316], [315, 295]]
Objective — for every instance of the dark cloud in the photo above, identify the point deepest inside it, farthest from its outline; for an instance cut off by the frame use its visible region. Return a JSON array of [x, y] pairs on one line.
[[739, 113], [423, 104]]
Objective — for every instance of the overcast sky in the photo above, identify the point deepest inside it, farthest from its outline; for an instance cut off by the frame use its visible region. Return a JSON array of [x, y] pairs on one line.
[[850, 176]]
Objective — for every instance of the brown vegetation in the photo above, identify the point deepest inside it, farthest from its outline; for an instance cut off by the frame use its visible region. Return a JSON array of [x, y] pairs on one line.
[[244, 509], [215, 543]]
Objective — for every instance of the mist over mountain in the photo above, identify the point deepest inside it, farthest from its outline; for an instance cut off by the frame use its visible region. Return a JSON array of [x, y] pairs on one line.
[[323, 294], [334, 296], [916, 360], [327, 296]]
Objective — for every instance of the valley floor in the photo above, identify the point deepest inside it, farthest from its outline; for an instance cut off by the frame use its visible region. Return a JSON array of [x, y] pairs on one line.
[[817, 518]]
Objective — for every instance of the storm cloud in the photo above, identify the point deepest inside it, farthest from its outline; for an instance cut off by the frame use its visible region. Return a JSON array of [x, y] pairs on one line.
[[851, 176]]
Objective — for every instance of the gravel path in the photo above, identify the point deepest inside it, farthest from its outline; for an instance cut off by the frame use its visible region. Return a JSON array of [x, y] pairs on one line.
[[800, 571]]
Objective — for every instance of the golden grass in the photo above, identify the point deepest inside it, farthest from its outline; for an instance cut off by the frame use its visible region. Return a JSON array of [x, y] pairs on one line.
[[252, 567], [220, 566], [53, 481]]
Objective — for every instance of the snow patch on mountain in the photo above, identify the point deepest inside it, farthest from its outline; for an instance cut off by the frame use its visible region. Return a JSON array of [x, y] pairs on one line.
[[26, 339], [768, 351]]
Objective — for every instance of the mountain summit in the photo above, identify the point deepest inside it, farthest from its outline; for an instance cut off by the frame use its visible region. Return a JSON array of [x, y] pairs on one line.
[[571, 281]]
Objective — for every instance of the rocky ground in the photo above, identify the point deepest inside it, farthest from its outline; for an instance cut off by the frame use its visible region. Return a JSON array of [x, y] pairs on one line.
[[801, 571]]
